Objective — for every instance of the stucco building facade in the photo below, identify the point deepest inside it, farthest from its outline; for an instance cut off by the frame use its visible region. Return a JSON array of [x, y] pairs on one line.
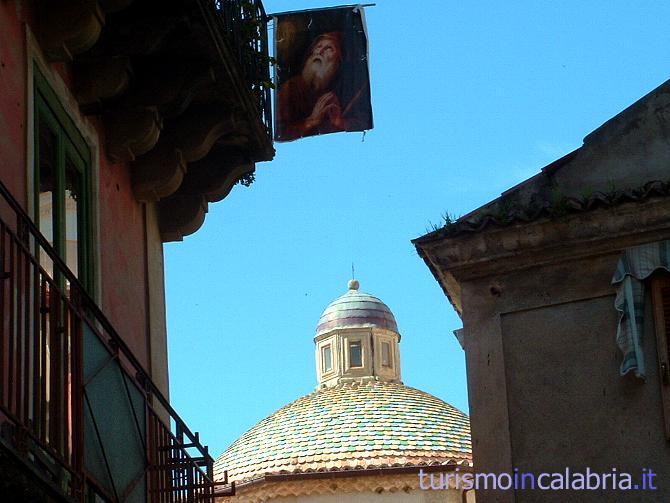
[[120, 122], [532, 275]]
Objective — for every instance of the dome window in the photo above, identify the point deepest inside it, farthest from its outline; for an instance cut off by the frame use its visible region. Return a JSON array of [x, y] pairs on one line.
[[386, 355], [327, 358], [355, 354], [356, 340]]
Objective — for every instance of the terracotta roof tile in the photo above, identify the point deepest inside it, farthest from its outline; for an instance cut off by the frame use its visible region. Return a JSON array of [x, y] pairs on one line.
[[373, 425], [494, 216]]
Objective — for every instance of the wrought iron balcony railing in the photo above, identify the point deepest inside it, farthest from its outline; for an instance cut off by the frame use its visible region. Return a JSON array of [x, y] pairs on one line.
[[244, 26], [75, 403]]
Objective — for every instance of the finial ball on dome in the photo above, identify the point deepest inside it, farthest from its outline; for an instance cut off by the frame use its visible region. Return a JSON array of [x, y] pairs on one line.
[[353, 284]]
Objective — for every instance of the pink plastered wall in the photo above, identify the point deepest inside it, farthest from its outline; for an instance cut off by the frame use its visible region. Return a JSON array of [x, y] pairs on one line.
[[120, 218], [12, 101]]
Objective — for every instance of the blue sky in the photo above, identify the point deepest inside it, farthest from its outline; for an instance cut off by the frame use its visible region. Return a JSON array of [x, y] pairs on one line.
[[469, 98]]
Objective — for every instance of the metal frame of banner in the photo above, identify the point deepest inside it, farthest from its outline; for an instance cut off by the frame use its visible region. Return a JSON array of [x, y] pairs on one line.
[[285, 13]]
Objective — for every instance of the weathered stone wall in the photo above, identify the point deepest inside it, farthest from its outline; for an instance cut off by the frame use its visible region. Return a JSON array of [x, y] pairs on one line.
[[542, 361]]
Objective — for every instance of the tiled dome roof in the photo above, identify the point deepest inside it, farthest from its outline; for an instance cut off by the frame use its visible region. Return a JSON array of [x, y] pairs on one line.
[[351, 426], [356, 309]]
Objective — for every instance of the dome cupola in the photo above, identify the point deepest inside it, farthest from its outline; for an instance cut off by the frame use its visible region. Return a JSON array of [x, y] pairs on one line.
[[361, 423], [350, 427], [357, 340]]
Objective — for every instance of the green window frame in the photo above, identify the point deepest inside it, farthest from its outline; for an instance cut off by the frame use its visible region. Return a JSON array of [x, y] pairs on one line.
[[63, 168]]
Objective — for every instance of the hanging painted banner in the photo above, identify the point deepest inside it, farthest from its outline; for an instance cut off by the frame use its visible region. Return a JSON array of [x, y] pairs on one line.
[[321, 73]]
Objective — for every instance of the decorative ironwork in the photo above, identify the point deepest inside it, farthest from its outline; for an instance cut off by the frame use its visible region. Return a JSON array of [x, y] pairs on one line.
[[46, 316], [244, 26]]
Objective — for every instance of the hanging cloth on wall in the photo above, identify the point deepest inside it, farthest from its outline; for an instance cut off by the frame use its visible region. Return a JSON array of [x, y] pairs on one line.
[[635, 265]]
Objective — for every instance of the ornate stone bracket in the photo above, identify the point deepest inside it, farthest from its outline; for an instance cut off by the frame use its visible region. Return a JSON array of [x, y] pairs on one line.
[[215, 176], [169, 86], [159, 173], [68, 28], [180, 215], [153, 63], [208, 180], [131, 131], [101, 79], [139, 32], [196, 131]]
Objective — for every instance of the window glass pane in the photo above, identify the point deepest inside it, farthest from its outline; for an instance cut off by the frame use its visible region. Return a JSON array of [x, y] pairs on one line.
[[355, 354], [327, 358], [73, 186], [386, 354], [47, 164], [62, 195]]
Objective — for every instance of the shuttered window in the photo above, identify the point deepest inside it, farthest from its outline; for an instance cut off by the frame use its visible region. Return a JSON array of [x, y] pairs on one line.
[[660, 288]]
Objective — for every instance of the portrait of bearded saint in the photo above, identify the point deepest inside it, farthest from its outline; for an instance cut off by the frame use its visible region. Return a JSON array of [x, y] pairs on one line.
[[307, 103]]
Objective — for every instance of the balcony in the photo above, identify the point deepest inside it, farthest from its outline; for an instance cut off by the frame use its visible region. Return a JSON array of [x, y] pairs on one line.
[[240, 29], [77, 411], [182, 90]]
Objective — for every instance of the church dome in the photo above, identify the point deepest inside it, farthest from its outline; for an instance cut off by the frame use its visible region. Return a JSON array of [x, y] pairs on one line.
[[351, 426], [356, 309], [362, 417]]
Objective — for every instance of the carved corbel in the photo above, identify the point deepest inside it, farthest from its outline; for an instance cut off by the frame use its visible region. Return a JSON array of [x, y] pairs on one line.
[[215, 92], [196, 131], [240, 138], [100, 79], [170, 87], [157, 82], [180, 215], [198, 82], [234, 140], [68, 27], [159, 173], [131, 131], [139, 33], [215, 175], [232, 176]]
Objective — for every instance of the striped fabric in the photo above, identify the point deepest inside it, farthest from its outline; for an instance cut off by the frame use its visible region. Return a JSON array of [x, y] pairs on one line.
[[635, 265]]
